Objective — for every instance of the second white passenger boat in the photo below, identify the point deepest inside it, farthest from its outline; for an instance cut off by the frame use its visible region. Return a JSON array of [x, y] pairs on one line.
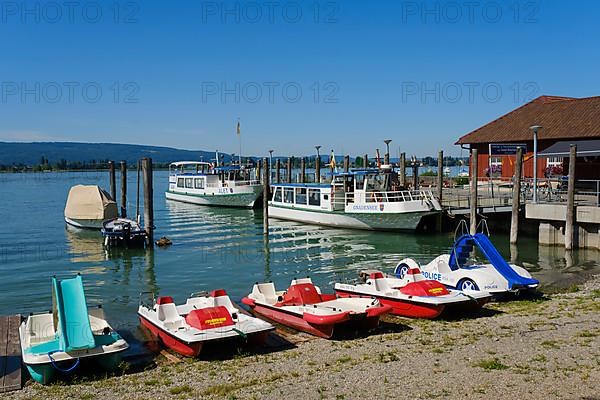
[[204, 184], [369, 199]]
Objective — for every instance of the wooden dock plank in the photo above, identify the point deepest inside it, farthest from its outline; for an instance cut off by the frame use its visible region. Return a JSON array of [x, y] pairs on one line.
[[10, 354], [3, 347]]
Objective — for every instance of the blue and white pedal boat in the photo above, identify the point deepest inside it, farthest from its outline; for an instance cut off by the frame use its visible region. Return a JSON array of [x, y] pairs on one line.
[[454, 270]]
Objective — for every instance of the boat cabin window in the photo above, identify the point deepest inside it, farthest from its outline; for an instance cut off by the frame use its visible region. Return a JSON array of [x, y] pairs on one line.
[[359, 182], [375, 183], [301, 196], [277, 195], [180, 183], [188, 183], [199, 183], [314, 197], [288, 195]]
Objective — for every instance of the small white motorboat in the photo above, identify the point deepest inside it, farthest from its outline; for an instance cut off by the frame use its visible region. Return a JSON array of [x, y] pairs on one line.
[[412, 296], [88, 206], [204, 318], [123, 232], [56, 341], [303, 307]]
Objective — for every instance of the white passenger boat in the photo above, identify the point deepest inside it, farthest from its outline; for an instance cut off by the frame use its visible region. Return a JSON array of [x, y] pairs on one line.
[[369, 199], [203, 183]]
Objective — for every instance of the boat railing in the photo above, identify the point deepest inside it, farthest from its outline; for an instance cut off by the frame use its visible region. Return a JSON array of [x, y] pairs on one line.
[[386, 197]]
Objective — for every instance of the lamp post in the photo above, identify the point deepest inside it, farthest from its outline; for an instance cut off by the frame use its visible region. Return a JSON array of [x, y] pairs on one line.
[[318, 165], [387, 151], [535, 129]]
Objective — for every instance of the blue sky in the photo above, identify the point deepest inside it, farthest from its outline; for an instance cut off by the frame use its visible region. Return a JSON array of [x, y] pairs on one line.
[[154, 72]]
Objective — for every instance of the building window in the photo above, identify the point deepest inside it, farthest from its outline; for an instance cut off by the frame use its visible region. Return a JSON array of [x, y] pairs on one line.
[[554, 166], [495, 167]]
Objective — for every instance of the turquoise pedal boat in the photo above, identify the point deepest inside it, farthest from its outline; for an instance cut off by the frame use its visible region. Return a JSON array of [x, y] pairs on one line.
[[57, 341]]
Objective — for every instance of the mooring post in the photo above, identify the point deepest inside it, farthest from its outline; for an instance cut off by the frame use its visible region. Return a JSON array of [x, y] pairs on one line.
[[113, 180], [440, 175], [303, 170], [148, 200], [516, 200], [440, 187], [266, 188], [403, 170], [258, 170], [318, 169], [366, 161], [346, 163], [124, 189], [278, 170], [570, 222], [473, 202], [288, 171]]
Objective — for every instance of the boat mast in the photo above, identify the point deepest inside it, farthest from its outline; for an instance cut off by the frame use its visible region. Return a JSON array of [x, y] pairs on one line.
[[239, 134]]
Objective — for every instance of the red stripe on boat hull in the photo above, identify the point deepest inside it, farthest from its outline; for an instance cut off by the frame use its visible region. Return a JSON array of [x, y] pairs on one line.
[[402, 307], [185, 349]]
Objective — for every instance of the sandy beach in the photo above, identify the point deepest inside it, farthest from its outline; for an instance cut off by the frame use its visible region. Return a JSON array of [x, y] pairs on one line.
[[539, 348]]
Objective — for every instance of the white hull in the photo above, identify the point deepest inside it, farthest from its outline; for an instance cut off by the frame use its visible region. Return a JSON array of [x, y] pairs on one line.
[[244, 200], [85, 223], [407, 221]]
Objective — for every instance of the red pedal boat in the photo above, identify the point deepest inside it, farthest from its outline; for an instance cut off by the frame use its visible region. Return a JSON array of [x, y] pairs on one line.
[[303, 307], [202, 319], [412, 296]]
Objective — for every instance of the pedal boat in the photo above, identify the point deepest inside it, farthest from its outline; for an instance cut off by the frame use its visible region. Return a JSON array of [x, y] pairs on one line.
[[204, 318], [303, 307], [413, 296], [56, 341]]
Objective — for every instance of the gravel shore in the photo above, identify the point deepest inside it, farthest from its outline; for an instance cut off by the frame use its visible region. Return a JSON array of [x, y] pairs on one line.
[[537, 349]]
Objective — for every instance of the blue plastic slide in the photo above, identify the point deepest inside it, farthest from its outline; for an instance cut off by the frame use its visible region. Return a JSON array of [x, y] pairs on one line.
[[464, 245], [74, 321]]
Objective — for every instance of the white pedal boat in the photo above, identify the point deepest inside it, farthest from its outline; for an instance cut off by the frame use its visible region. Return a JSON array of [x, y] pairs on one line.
[[412, 296], [303, 307], [205, 318]]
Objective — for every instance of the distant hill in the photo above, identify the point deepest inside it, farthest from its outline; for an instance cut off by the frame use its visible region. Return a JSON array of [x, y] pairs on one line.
[[31, 153]]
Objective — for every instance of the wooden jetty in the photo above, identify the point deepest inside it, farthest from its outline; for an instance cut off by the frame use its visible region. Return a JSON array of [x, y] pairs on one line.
[[10, 354]]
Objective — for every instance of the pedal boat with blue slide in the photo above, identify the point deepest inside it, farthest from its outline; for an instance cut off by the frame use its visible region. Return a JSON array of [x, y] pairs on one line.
[[455, 270], [303, 307], [412, 296], [204, 318], [59, 340]]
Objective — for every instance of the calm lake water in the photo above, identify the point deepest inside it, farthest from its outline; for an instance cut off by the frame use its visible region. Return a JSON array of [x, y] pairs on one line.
[[213, 248]]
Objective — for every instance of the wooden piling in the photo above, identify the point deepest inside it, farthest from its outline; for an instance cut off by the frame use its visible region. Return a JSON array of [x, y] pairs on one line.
[[366, 161], [303, 170], [386, 159], [148, 200], [123, 189], [258, 169], [113, 180], [403, 170], [516, 200], [570, 221], [346, 163], [318, 169], [440, 175], [288, 171], [415, 175], [278, 170], [473, 202], [440, 187], [266, 188]]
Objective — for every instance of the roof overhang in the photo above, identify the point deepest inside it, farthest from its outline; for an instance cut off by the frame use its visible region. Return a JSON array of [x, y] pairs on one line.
[[585, 148]]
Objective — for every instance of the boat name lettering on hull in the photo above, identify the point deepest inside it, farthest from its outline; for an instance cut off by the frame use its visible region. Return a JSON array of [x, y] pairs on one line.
[[365, 207]]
